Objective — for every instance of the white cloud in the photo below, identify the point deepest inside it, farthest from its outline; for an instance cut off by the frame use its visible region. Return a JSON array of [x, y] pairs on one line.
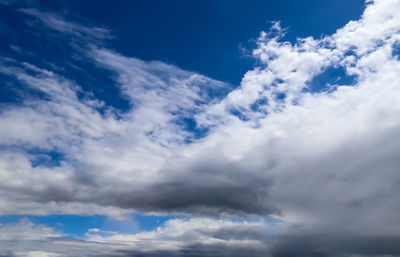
[[37, 254], [26, 230], [177, 234]]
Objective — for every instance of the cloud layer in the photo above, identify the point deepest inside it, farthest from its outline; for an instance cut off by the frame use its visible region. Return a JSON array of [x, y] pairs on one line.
[[324, 161]]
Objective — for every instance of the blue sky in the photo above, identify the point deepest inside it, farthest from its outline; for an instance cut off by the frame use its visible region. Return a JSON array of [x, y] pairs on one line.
[[198, 127]]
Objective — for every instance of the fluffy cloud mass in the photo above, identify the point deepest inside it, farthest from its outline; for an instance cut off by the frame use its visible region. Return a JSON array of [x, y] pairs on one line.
[[322, 155]]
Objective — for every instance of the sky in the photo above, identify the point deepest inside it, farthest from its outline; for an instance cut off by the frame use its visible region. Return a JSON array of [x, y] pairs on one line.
[[200, 128]]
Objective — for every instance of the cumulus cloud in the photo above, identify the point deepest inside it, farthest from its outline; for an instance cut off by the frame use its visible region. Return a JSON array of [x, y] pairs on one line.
[[325, 162]]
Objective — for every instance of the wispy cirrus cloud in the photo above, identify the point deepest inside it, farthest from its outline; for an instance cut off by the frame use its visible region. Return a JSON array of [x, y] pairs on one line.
[[60, 24]]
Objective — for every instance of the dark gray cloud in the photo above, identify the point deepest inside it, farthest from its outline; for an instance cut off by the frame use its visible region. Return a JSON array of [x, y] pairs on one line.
[[205, 189], [333, 245]]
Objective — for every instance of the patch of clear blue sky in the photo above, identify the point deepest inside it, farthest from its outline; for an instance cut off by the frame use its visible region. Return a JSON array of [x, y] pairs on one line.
[[203, 36], [76, 226], [396, 50], [329, 79]]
